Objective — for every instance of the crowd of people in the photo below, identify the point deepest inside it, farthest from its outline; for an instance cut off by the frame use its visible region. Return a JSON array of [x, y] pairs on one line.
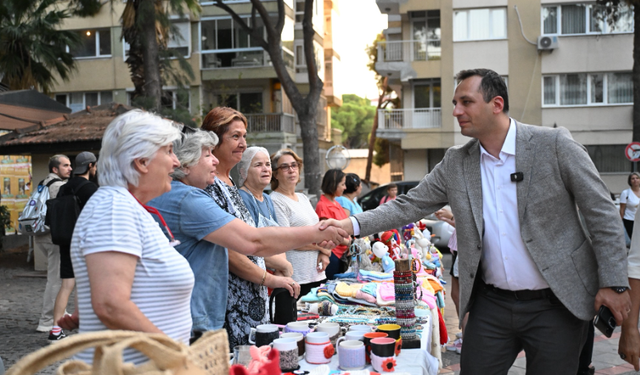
[[170, 243]]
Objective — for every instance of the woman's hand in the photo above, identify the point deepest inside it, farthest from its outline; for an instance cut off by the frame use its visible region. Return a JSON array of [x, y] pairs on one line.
[[273, 281], [322, 262], [280, 264]]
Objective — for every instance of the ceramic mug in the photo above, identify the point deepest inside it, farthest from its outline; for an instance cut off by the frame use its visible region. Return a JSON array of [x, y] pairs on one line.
[[360, 327], [351, 355], [367, 342], [299, 339], [352, 335], [383, 347], [318, 348], [288, 348], [333, 329], [263, 334], [393, 330], [300, 327]]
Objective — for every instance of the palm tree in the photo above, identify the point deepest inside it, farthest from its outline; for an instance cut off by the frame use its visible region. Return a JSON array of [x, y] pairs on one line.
[[146, 27], [31, 45]]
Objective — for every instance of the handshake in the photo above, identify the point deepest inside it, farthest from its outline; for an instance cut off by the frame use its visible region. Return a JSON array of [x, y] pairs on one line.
[[332, 232]]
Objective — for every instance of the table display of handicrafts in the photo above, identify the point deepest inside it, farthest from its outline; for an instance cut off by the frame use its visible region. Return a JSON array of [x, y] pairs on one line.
[[390, 301]]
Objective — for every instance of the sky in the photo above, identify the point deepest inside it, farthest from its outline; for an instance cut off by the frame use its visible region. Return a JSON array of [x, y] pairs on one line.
[[361, 21]]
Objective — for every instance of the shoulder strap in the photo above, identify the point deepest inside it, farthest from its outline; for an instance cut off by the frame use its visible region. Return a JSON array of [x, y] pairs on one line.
[[79, 187], [52, 181]]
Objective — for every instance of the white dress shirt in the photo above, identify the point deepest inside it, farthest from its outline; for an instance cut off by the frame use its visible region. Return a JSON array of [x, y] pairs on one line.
[[506, 263]]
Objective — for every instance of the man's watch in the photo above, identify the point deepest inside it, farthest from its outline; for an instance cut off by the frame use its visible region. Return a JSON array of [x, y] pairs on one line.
[[619, 289]]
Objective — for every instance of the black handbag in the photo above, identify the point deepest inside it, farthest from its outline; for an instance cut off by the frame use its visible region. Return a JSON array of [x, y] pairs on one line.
[[282, 307]]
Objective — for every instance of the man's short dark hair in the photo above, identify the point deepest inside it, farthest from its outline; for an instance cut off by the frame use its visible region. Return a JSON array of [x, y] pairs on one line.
[[492, 85], [331, 180], [54, 162], [391, 186]]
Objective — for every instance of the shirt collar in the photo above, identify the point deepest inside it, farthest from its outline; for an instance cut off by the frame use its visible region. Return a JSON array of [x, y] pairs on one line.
[[509, 145]]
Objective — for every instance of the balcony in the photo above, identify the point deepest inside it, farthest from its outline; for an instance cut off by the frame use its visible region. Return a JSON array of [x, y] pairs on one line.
[[395, 57], [241, 58], [391, 122], [271, 123]]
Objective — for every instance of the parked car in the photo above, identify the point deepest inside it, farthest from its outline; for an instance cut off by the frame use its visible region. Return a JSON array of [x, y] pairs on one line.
[[440, 229], [371, 200]]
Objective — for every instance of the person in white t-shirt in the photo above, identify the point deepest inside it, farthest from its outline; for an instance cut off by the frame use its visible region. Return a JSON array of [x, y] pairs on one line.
[[629, 201], [129, 276]]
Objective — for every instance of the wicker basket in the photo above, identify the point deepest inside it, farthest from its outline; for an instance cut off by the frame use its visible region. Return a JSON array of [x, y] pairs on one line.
[[209, 355]]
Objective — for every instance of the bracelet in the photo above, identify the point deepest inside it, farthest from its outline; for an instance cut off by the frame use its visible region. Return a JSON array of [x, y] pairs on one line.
[[264, 276]]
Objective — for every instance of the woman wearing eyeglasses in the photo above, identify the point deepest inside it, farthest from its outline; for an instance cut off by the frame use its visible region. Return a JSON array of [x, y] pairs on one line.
[[294, 210]]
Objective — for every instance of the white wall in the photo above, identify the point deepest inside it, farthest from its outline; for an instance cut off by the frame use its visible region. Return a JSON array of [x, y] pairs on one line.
[[491, 54]]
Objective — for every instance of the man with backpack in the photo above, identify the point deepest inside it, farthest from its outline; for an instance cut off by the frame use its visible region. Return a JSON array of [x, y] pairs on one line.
[[81, 188], [60, 170]]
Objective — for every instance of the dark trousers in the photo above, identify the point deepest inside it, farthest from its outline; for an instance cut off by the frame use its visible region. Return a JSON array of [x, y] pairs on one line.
[[587, 352], [334, 267], [499, 327], [628, 226]]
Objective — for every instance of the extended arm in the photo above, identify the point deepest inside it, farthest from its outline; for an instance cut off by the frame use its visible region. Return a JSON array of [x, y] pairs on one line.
[[280, 264], [273, 240], [111, 279]]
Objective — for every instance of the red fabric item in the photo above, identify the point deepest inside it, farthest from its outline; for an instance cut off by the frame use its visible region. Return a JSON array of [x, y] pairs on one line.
[[325, 209], [444, 336], [271, 366]]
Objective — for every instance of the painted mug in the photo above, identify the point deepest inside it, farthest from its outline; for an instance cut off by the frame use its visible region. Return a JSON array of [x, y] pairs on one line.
[[383, 358], [351, 355], [367, 342]]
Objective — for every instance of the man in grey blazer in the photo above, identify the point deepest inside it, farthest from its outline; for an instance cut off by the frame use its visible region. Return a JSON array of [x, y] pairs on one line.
[[529, 276]]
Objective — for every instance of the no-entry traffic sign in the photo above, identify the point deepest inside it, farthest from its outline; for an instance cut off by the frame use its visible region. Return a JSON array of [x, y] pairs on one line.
[[632, 151]]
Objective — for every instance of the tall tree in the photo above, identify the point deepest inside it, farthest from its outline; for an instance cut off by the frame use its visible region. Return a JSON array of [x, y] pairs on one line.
[[32, 46], [354, 118], [305, 106], [612, 11], [146, 28], [384, 100]]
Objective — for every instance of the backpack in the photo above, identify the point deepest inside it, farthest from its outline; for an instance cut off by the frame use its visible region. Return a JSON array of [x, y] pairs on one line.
[[285, 307], [32, 218], [62, 214]]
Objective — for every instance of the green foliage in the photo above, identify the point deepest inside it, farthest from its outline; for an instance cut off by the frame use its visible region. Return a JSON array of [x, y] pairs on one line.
[[381, 157], [32, 46], [355, 119], [5, 221]]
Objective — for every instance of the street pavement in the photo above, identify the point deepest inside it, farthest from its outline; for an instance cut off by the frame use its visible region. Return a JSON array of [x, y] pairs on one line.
[[21, 291]]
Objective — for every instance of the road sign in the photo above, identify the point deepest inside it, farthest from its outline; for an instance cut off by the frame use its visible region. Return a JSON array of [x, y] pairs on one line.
[[632, 151]]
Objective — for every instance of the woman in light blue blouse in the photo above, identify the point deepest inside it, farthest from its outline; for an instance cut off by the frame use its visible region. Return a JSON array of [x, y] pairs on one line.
[[348, 200]]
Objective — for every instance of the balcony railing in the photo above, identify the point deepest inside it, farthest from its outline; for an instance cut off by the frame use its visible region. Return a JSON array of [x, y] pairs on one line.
[[408, 50], [409, 118], [270, 122], [241, 58]]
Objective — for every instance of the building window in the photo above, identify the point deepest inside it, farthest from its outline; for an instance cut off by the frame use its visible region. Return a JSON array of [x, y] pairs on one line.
[[179, 39], [224, 43], [585, 19], [609, 158], [426, 30], [587, 89], [426, 94], [78, 101], [300, 59], [479, 24], [175, 99], [94, 43], [245, 102]]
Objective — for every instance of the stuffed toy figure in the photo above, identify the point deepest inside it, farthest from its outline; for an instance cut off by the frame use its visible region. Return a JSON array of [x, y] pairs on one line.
[[382, 251]]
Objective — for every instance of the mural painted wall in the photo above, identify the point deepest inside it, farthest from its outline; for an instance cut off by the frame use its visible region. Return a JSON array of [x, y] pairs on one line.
[[15, 176]]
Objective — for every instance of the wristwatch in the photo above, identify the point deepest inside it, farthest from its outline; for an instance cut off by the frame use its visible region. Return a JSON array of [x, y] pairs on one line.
[[619, 289]]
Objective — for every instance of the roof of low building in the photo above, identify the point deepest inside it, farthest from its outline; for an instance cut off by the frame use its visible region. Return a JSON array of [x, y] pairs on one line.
[[82, 130], [26, 108]]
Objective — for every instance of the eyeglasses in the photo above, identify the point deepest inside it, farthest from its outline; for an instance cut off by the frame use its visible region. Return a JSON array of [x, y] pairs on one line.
[[286, 167]]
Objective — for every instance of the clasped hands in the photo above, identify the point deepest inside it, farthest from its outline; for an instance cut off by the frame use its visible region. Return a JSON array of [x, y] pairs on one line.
[[334, 232]]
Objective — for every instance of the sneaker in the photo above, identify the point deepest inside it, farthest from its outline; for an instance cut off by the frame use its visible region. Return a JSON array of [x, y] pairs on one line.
[[455, 346], [54, 338], [43, 328]]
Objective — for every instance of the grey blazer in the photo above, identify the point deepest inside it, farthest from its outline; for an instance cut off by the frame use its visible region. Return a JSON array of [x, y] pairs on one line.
[[558, 177]]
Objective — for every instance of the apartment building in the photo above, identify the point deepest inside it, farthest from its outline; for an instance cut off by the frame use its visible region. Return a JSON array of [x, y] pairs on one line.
[[563, 64], [230, 68]]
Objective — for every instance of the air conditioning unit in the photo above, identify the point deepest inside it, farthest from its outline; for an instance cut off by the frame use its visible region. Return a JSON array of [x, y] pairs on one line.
[[546, 42]]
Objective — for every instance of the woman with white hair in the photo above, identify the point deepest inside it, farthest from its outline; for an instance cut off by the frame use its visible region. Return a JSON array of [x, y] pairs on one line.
[[128, 274], [205, 231]]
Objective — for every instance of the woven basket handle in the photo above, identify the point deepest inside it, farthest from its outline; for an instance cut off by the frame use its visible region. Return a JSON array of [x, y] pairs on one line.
[[164, 352], [63, 349]]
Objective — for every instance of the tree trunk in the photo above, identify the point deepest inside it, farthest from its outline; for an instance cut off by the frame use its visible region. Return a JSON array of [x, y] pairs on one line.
[[147, 26], [636, 75], [374, 129], [311, 151]]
